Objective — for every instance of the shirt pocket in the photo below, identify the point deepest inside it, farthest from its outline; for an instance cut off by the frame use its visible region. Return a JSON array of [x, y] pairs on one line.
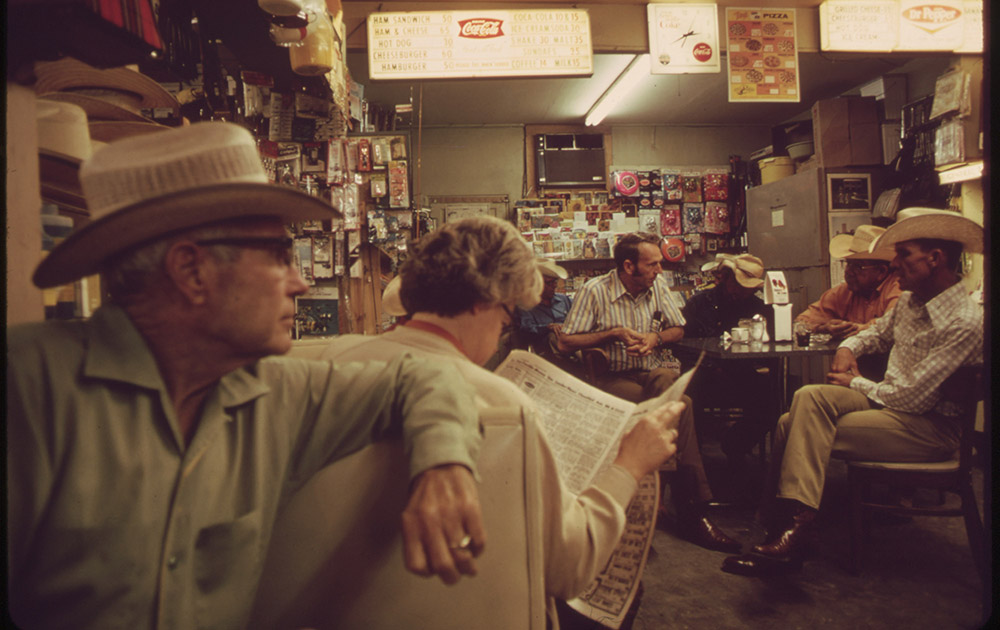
[[228, 559]]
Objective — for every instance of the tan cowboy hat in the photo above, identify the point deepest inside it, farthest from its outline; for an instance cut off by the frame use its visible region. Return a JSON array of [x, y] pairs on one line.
[[946, 225], [549, 268], [145, 187], [857, 246], [111, 94], [747, 268], [391, 303]]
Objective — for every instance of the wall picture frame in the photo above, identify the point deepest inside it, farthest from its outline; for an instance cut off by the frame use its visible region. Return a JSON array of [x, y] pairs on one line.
[[849, 192]]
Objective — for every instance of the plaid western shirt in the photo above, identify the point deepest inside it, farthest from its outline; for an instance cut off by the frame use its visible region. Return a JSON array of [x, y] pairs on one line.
[[926, 342], [603, 303]]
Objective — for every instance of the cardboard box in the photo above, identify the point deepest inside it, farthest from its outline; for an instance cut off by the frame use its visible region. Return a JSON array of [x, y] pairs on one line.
[[846, 132]]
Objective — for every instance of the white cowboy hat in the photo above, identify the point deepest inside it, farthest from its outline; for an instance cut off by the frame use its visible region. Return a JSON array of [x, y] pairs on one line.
[[62, 132], [549, 268], [946, 225], [145, 187], [857, 246], [747, 268]]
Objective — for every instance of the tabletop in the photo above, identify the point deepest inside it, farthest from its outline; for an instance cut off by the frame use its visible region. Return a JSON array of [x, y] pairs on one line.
[[716, 349]]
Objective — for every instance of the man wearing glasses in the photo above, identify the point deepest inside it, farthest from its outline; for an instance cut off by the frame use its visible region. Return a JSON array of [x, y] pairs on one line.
[[870, 287], [151, 446]]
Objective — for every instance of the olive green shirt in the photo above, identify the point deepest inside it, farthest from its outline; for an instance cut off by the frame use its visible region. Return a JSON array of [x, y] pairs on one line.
[[115, 522]]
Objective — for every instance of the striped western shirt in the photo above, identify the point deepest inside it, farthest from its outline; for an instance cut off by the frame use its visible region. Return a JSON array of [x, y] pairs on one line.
[[926, 342], [604, 303]]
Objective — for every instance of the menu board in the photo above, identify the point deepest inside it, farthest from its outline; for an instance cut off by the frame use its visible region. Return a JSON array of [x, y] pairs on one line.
[[470, 44], [898, 25], [859, 25], [762, 54]]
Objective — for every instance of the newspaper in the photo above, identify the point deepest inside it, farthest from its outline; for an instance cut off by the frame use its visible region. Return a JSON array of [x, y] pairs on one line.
[[584, 427]]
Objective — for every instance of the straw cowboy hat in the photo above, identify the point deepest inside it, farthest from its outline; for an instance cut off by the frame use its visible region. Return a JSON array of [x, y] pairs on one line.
[[858, 246], [148, 186], [747, 268], [112, 94], [913, 223], [549, 268]]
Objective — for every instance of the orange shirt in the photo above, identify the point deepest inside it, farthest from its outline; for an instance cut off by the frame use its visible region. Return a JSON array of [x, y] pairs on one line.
[[840, 303]]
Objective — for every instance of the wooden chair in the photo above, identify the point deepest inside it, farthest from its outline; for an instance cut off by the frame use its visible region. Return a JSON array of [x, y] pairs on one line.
[[954, 475]]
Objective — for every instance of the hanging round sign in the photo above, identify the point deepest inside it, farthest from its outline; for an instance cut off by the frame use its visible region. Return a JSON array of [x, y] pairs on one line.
[[672, 249], [626, 183]]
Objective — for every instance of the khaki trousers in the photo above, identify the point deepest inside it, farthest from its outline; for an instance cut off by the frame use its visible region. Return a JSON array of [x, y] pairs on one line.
[[830, 419], [640, 385]]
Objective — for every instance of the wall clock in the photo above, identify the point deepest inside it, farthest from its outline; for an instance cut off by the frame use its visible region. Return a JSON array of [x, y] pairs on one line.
[[683, 38]]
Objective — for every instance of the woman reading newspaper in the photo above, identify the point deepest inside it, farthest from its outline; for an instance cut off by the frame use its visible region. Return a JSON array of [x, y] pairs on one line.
[[460, 286]]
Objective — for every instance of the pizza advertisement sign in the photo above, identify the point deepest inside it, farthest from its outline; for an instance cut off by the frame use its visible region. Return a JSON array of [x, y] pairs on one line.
[[763, 58]]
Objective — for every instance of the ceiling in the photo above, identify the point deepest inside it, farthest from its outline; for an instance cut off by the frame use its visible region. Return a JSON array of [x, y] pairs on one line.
[[693, 99]]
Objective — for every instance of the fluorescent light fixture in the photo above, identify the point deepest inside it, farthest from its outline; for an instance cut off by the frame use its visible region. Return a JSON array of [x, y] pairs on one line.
[[637, 69]]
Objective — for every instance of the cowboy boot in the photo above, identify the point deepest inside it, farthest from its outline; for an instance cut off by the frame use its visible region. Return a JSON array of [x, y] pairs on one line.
[[692, 522], [789, 544]]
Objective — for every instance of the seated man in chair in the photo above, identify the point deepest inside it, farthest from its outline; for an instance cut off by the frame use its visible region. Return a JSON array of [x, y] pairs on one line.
[[933, 330], [733, 384], [631, 314]]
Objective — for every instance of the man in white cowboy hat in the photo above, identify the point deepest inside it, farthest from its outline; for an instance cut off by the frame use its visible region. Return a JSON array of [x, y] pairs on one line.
[[460, 285], [903, 417], [631, 314], [150, 447], [536, 326], [733, 384], [869, 290]]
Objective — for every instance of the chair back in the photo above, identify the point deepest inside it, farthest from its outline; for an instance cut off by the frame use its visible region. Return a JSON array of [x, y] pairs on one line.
[[336, 555], [964, 388]]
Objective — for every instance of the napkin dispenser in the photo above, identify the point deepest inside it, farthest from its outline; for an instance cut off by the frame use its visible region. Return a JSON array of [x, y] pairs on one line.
[[776, 294]]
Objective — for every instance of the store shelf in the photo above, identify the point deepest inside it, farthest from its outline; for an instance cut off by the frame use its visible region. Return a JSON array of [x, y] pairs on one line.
[[964, 173]]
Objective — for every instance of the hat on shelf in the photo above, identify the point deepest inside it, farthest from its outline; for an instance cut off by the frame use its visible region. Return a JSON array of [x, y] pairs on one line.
[[145, 187], [747, 268], [112, 94], [946, 225], [548, 267], [62, 132], [391, 303], [113, 98], [105, 131], [858, 246]]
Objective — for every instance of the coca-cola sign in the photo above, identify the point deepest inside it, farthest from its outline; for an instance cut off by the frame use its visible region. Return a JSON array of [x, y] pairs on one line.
[[480, 28]]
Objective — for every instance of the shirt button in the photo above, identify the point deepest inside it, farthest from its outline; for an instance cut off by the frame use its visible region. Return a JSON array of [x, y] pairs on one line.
[[172, 562]]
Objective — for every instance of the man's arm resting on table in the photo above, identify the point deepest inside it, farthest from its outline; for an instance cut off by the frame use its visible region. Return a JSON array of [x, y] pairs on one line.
[[581, 341]]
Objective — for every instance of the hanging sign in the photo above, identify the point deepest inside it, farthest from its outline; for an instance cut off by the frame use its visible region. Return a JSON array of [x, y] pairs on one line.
[[763, 58], [859, 25], [931, 24], [901, 25], [476, 44], [683, 38]]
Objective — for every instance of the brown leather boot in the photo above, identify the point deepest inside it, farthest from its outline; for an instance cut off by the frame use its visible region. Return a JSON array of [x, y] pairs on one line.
[[791, 542]]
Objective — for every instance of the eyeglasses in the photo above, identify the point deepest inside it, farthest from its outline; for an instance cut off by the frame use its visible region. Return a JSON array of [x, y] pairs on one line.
[[859, 265], [278, 246]]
